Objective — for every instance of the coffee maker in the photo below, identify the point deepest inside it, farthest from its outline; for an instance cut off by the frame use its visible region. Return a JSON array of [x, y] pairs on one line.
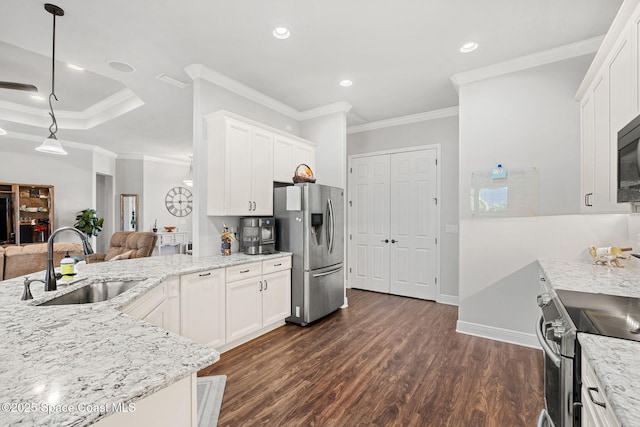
[[258, 235]]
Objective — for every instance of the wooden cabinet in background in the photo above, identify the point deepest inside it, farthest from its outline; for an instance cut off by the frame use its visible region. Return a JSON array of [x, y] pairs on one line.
[[26, 213]]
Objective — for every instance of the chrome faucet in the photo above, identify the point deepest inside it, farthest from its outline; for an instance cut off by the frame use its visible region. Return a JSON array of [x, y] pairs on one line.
[[50, 275]]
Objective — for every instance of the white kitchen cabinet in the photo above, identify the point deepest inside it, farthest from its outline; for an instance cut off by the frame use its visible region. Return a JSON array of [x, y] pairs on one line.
[[258, 297], [276, 297], [240, 168], [596, 409], [607, 105], [587, 154], [202, 307], [160, 306], [289, 153]]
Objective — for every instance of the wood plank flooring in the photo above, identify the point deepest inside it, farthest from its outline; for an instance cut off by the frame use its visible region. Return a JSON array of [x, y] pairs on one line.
[[384, 361]]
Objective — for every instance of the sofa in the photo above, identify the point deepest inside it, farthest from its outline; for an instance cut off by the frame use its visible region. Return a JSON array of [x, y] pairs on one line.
[[127, 245], [17, 261]]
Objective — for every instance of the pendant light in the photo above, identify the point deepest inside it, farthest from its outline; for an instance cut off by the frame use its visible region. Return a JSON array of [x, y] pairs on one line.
[[51, 145], [188, 180]]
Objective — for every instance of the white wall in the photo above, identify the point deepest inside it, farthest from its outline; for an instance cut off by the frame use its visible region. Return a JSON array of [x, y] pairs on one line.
[[522, 119], [70, 175], [443, 131], [159, 177], [499, 273], [329, 133]]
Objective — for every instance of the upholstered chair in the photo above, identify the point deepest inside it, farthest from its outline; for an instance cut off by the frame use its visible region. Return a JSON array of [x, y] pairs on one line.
[[127, 245]]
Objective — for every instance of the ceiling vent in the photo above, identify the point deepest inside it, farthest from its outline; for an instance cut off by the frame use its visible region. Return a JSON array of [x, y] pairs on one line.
[[172, 81]]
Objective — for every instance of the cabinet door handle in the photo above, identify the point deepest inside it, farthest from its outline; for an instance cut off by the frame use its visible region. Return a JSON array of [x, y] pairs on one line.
[[265, 285], [244, 271], [254, 206], [260, 285], [597, 402], [277, 265], [249, 205], [205, 274], [587, 198]]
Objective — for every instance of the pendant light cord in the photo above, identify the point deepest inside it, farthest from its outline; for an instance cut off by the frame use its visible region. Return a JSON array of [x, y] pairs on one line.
[[54, 123]]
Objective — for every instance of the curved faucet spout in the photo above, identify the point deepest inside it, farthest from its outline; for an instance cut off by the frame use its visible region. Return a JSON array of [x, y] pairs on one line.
[[50, 275]]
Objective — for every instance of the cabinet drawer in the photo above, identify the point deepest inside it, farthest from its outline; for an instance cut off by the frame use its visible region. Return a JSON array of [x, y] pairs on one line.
[[244, 271], [277, 264]]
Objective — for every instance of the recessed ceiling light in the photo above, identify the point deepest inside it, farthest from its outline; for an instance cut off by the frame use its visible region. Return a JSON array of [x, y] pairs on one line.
[[75, 67], [123, 67], [2, 132], [468, 47], [37, 97], [346, 83], [281, 33]]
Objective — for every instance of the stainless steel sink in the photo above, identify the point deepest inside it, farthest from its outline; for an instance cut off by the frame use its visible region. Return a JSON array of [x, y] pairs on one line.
[[94, 292]]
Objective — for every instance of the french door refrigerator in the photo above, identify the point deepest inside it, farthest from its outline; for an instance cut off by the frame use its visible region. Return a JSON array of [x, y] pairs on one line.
[[310, 224]]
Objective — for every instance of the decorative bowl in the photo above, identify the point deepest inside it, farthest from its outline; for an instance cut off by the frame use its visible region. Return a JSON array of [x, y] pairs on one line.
[[170, 228]]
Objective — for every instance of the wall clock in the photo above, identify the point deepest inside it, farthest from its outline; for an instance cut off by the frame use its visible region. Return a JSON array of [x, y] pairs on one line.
[[179, 201]]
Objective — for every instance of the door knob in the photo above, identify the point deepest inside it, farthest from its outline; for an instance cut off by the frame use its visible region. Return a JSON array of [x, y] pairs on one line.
[[385, 241], [395, 241]]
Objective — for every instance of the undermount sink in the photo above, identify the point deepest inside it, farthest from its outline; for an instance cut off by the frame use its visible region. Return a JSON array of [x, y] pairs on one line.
[[94, 292]]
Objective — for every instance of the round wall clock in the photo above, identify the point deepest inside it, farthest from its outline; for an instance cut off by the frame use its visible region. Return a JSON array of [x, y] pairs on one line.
[[179, 201]]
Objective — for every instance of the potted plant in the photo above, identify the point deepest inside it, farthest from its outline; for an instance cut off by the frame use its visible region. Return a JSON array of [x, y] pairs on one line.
[[88, 222]]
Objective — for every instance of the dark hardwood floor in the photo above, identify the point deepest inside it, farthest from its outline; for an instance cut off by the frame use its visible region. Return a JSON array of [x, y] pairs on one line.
[[384, 361]]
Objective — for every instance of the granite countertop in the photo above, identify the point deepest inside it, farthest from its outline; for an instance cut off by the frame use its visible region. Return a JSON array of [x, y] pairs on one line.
[[92, 356], [615, 361], [617, 366]]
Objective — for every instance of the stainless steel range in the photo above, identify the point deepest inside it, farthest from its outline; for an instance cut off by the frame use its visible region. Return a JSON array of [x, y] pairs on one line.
[[557, 336], [564, 314]]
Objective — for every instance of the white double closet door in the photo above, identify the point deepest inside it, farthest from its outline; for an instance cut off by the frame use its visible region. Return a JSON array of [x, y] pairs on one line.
[[394, 218]]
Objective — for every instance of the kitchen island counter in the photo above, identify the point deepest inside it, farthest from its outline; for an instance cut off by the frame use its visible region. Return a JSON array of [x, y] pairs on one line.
[[76, 364]]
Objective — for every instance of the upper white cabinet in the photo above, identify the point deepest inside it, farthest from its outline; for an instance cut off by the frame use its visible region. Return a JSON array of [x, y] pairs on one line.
[[240, 172], [609, 100], [245, 158], [289, 153]]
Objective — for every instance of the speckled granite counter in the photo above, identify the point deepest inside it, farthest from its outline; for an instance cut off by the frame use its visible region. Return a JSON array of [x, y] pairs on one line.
[[617, 365], [92, 354], [615, 361]]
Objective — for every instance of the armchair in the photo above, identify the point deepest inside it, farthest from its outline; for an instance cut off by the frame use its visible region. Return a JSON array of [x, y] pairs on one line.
[[125, 245]]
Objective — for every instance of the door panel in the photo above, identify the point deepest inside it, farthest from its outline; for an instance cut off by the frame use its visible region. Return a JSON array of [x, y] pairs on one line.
[[413, 224], [238, 150], [370, 227], [325, 287]]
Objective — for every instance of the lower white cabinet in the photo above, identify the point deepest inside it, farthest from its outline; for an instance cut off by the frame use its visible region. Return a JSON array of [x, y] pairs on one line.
[[220, 308], [202, 307], [160, 306], [596, 409], [256, 301]]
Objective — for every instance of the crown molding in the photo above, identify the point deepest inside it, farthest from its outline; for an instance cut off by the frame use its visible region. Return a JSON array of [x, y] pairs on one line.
[[109, 108], [617, 28], [146, 158], [544, 57], [199, 71], [404, 120]]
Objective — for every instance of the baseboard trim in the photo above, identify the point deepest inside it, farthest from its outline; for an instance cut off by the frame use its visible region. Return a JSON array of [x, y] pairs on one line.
[[497, 334], [228, 346], [447, 299]]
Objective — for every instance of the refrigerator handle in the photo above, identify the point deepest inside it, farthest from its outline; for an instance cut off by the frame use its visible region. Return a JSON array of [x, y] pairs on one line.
[[331, 226]]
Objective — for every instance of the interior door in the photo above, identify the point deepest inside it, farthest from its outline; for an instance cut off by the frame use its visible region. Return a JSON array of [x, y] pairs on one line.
[[369, 183], [413, 224]]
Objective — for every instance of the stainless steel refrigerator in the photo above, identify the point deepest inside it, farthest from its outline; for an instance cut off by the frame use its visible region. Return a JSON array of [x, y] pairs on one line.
[[310, 224]]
